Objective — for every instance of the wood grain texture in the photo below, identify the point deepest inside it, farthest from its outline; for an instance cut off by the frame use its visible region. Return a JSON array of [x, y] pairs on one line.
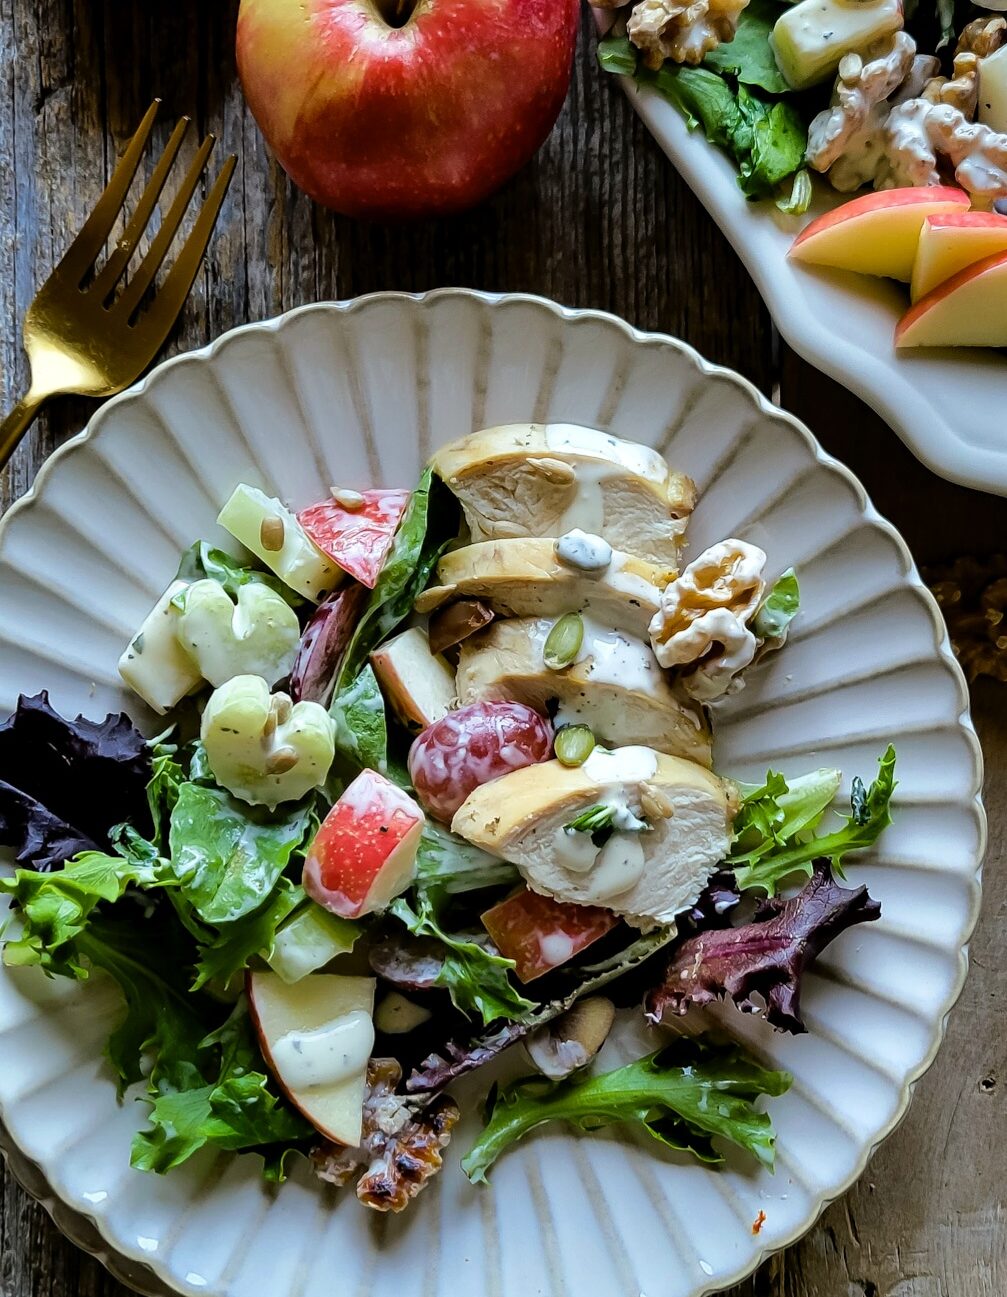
[[599, 219]]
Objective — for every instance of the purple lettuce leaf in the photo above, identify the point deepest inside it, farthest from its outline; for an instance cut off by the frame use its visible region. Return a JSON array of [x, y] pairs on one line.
[[410, 963], [65, 783], [766, 957], [457, 1058], [716, 902]]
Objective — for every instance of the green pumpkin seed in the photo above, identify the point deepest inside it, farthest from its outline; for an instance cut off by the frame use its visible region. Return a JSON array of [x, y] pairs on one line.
[[563, 642], [573, 745]]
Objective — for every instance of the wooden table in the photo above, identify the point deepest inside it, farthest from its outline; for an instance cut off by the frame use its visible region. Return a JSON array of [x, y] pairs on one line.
[[600, 219]]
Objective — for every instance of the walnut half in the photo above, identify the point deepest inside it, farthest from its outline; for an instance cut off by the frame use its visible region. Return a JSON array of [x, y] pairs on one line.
[[703, 619], [682, 32], [846, 135], [918, 134], [401, 1146]]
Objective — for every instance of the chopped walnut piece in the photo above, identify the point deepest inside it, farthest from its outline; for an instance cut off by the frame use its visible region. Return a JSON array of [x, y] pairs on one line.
[[972, 594], [962, 90], [702, 622], [983, 36], [682, 32], [848, 132], [401, 1143], [919, 133]]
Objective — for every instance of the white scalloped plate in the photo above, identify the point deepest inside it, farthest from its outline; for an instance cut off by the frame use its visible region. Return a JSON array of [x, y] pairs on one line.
[[947, 404], [358, 393]]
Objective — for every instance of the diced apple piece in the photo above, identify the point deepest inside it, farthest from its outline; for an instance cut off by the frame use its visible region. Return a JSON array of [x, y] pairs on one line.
[[993, 89], [154, 664], [293, 1022], [540, 934], [968, 310], [274, 535], [877, 234], [396, 1016], [310, 940], [363, 855], [810, 39], [950, 243], [357, 534], [419, 684]]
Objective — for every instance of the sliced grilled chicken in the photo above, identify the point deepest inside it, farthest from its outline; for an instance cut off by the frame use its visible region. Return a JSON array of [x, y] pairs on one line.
[[530, 578], [534, 479], [664, 826], [614, 685]]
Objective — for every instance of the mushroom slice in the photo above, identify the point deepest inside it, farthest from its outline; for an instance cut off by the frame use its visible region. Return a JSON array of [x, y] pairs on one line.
[[614, 685], [525, 578], [660, 826], [535, 479], [570, 1041]]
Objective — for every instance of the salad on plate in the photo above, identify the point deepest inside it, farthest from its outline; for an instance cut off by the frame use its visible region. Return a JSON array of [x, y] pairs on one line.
[[434, 779], [904, 98]]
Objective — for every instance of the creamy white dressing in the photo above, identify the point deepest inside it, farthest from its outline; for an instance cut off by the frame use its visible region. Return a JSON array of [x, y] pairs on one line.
[[574, 851], [325, 1055], [617, 658], [586, 510], [619, 866], [630, 764], [556, 948], [583, 551]]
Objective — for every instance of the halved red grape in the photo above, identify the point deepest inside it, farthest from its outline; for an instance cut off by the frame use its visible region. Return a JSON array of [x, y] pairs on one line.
[[471, 746]]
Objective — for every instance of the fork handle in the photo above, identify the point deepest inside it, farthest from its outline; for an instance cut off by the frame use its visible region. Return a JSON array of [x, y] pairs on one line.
[[17, 424]]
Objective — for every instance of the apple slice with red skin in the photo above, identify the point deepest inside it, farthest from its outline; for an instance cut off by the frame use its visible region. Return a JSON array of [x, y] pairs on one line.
[[278, 1008], [877, 234], [358, 539], [967, 310], [951, 242], [419, 684], [364, 853], [540, 934]]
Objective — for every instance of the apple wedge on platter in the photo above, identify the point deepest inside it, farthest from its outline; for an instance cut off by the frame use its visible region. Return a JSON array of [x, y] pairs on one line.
[[944, 402]]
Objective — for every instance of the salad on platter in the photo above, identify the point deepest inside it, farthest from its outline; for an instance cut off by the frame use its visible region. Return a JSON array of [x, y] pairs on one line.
[[434, 779], [907, 99]]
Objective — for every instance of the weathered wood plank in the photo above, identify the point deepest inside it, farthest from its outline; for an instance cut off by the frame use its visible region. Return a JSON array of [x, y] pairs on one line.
[[600, 220]]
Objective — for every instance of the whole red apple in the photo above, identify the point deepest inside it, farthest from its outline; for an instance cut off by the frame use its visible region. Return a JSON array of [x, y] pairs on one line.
[[405, 108]]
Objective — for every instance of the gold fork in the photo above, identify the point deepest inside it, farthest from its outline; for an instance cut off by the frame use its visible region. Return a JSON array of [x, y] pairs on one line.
[[81, 339]]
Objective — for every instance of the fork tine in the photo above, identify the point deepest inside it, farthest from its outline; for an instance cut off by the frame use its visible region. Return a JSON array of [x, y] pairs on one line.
[[118, 259], [132, 294], [81, 254], [170, 297]]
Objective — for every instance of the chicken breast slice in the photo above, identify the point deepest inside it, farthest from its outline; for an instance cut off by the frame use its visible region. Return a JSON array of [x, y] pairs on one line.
[[536, 479], [524, 578], [671, 820], [615, 685]]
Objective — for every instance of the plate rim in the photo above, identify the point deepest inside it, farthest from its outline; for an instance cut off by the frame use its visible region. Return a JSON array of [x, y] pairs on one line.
[[130, 1267]]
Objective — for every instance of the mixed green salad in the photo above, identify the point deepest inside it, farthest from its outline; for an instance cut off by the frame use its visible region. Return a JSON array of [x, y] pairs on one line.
[[432, 777], [789, 89]]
